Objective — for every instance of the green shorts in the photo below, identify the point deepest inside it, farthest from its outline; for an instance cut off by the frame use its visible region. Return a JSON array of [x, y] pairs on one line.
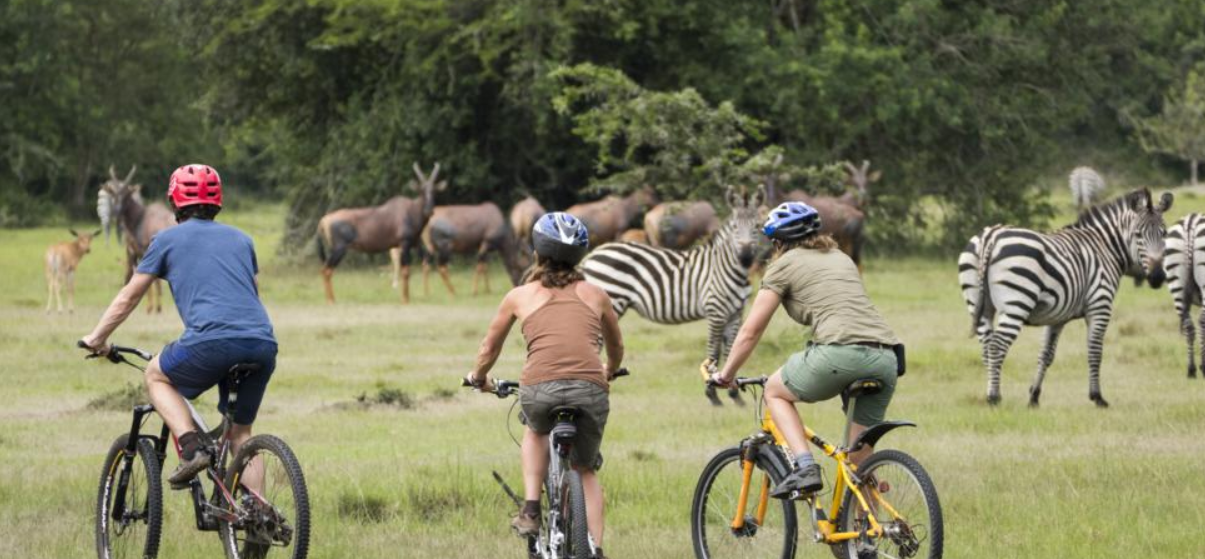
[[538, 401], [822, 371]]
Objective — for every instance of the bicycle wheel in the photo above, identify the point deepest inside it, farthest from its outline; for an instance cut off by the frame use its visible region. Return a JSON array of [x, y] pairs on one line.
[[908, 511], [273, 507], [715, 506], [129, 519], [573, 504]]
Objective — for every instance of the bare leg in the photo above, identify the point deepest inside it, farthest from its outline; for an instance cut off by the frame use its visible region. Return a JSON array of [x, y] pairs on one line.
[[167, 400], [781, 403], [594, 503], [535, 463], [253, 475], [327, 272]]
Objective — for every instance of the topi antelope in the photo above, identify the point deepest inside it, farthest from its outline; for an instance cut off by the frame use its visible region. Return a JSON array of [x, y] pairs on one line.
[[120, 202], [61, 261], [477, 229], [677, 225], [842, 216], [523, 217], [608, 218], [396, 224]]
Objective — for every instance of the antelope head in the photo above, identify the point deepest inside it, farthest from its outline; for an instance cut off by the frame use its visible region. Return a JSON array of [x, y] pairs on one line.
[[427, 187], [112, 197], [84, 240], [860, 178]]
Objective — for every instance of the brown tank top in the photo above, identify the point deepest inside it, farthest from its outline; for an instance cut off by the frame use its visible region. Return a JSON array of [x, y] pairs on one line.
[[563, 341]]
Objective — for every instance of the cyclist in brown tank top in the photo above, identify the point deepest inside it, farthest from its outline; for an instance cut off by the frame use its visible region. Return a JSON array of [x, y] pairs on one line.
[[563, 320]]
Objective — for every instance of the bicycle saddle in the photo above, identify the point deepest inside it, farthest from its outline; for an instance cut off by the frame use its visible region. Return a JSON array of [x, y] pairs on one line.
[[862, 387]]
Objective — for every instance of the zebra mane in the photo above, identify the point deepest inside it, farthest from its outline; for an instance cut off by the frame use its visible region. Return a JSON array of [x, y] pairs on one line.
[[1130, 201]]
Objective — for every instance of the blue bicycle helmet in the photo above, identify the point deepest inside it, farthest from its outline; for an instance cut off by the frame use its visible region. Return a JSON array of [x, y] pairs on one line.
[[561, 237], [792, 221]]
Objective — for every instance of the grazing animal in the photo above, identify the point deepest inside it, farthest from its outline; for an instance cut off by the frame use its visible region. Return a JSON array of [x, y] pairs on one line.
[[677, 225], [608, 218], [397, 223], [61, 261], [478, 229], [671, 287], [1012, 277], [634, 236], [1086, 186], [523, 217], [139, 223], [843, 216], [1183, 256]]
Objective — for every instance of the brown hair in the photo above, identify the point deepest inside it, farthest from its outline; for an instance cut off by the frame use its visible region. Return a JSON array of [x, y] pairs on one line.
[[554, 274], [199, 211], [822, 243]]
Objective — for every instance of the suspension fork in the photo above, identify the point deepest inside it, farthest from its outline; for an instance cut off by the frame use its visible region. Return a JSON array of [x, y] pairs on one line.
[[127, 458], [749, 450]]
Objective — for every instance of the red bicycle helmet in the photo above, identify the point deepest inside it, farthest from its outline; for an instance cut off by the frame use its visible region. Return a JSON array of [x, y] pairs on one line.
[[195, 184]]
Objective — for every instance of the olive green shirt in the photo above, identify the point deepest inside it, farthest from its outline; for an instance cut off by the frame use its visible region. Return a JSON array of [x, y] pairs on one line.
[[824, 290]]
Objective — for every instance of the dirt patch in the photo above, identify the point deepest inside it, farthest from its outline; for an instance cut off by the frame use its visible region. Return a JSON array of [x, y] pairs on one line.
[[122, 399]]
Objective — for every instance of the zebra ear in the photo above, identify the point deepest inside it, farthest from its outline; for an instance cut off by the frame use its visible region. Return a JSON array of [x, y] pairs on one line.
[[758, 197], [1165, 202], [732, 197]]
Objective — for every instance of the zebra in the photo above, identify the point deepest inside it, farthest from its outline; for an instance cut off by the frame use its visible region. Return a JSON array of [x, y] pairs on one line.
[[1086, 185], [1183, 256], [1012, 277], [708, 282]]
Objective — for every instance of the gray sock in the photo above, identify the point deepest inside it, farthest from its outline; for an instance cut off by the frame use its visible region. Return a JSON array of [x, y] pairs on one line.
[[804, 459]]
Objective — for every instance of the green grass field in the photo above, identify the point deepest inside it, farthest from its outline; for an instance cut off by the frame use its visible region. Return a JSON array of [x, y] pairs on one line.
[[1067, 480]]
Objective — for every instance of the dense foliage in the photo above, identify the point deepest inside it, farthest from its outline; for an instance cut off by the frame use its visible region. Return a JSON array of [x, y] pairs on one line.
[[329, 102]]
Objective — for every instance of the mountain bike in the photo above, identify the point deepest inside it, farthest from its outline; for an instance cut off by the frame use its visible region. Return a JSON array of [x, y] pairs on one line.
[[258, 502], [564, 533], [887, 507]]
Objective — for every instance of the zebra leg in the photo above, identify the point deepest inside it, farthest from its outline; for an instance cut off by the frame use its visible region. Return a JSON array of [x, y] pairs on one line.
[[1097, 325], [730, 330], [1044, 361], [1186, 328], [999, 341], [715, 341], [1191, 374]]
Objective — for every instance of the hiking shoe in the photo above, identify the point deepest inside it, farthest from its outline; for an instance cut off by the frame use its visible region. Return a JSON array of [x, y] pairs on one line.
[[188, 469], [525, 525], [598, 553], [800, 482]]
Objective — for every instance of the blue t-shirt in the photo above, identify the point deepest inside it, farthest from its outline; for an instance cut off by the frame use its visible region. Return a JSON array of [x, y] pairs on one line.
[[211, 269]]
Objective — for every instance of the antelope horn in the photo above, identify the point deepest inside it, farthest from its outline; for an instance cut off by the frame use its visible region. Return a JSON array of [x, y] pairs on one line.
[[865, 165], [419, 172], [112, 172], [435, 172], [850, 167], [131, 175]]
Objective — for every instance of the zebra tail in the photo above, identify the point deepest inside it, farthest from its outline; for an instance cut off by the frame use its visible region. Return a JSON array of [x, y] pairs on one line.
[[986, 244]]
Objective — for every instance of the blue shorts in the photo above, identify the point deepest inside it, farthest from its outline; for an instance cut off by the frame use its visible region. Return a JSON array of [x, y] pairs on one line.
[[195, 368]]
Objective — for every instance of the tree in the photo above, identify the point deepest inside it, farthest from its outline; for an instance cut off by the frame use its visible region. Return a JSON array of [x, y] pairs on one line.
[[1179, 130]]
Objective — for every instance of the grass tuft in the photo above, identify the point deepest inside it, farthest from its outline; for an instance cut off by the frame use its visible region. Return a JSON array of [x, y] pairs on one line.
[[365, 509], [121, 399]]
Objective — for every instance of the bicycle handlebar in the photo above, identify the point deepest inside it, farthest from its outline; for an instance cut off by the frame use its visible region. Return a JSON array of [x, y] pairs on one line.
[[742, 382], [115, 352], [505, 388]]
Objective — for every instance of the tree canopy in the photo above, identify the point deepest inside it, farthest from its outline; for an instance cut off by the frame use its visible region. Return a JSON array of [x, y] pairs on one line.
[[963, 105]]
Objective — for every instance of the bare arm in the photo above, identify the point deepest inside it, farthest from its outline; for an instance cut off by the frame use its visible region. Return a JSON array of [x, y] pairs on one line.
[[750, 333], [612, 339], [491, 346], [123, 304]]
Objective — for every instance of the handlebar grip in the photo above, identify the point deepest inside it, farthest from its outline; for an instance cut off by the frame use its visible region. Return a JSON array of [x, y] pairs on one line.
[[621, 372]]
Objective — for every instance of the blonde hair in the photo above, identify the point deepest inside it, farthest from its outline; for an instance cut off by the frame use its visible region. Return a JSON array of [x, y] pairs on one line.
[[822, 242], [554, 274]]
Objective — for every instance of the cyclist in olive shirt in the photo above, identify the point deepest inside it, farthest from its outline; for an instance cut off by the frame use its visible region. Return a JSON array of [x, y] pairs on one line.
[[820, 287]]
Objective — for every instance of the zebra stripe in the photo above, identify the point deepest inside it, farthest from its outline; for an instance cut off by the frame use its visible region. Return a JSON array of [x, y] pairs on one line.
[[1012, 277], [1183, 257], [671, 287]]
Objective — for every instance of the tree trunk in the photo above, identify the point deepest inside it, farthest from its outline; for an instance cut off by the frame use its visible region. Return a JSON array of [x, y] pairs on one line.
[[1193, 172]]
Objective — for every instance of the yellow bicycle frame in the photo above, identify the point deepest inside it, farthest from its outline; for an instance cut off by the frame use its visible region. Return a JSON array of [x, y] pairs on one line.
[[825, 525]]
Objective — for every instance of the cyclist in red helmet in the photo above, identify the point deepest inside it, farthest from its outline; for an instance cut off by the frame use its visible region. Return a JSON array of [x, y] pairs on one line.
[[212, 270]]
